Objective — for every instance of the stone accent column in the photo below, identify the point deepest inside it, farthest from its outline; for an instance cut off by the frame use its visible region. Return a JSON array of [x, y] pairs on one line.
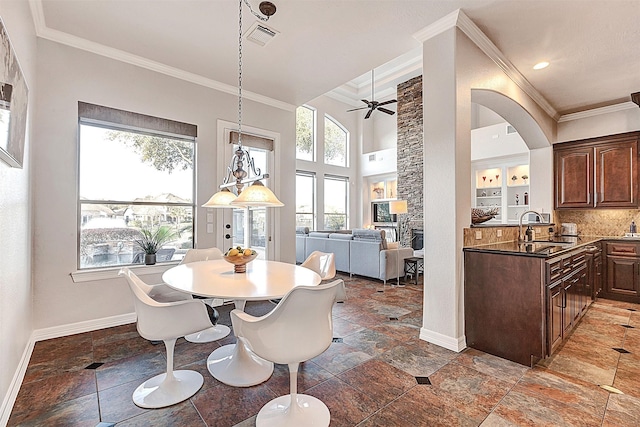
[[410, 155]]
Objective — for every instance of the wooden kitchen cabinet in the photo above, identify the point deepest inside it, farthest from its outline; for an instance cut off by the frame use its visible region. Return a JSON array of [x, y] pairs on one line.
[[574, 178], [597, 172], [555, 322], [568, 295], [521, 308], [623, 271]]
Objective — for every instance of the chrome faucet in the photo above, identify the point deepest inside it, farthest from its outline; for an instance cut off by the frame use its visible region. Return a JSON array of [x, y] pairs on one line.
[[520, 236]]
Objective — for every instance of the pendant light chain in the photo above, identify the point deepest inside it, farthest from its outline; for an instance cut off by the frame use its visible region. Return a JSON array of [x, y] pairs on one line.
[[256, 194], [240, 74]]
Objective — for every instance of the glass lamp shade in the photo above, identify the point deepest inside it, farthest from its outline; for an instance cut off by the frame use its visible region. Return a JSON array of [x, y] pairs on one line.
[[257, 195], [398, 207], [221, 199]]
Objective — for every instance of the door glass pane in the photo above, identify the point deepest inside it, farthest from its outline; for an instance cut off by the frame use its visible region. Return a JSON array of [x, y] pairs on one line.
[[250, 225]]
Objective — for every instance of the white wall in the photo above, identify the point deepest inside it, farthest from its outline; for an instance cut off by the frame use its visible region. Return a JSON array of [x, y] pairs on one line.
[[68, 75], [492, 141], [379, 131], [15, 218], [599, 125]]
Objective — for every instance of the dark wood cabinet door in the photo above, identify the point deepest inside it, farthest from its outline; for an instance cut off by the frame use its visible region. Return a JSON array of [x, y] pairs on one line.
[[567, 312], [574, 300], [585, 292], [622, 275], [616, 175], [555, 299], [597, 284], [574, 178]]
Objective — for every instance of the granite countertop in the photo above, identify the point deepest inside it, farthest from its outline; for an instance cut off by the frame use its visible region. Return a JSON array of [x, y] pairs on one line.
[[537, 248]]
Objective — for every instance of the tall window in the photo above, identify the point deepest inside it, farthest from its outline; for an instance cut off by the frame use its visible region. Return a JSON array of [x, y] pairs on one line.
[[305, 197], [335, 143], [305, 133], [131, 179], [335, 202]]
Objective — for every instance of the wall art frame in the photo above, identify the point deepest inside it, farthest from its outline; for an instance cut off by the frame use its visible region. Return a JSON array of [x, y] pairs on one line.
[[14, 96]]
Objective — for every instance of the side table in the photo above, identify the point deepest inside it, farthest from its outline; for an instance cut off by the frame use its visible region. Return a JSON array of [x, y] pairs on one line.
[[412, 265]]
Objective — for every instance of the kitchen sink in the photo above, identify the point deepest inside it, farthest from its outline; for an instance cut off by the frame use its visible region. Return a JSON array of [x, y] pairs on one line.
[[548, 243]]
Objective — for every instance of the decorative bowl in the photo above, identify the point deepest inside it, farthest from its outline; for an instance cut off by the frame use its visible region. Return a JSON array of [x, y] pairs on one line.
[[479, 216], [240, 262]]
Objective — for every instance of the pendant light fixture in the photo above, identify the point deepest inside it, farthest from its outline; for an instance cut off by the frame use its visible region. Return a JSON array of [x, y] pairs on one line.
[[257, 194]]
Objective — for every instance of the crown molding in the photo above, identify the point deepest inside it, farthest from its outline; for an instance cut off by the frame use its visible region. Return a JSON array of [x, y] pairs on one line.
[[459, 19], [47, 33], [440, 26], [598, 111]]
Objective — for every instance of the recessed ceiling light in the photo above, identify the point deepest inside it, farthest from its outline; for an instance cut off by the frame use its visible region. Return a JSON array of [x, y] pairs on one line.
[[541, 65]]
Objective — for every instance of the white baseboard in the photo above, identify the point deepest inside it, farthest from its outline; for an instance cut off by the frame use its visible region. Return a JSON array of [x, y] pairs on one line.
[[48, 333], [80, 327], [16, 382], [450, 343]]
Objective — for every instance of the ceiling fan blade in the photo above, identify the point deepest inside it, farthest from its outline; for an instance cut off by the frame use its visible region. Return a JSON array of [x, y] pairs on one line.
[[368, 114], [366, 102], [391, 101], [384, 110], [356, 109]]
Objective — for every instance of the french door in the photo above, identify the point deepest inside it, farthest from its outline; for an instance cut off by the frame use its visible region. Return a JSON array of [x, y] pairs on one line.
[[250, 227]]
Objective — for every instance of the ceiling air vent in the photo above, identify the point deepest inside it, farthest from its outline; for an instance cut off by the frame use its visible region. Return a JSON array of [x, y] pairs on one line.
[[260, 34], [511, 129]]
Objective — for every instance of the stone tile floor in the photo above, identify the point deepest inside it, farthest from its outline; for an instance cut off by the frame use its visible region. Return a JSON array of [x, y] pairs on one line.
[[369, 379]]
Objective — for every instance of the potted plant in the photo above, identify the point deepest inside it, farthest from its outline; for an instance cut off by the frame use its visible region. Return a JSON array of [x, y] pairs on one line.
[[152, 240]]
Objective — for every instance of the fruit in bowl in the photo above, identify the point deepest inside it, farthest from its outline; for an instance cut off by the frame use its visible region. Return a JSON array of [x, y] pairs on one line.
[[240, 257]]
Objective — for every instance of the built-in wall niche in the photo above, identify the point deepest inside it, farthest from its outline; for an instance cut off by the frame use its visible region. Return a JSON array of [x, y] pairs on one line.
[[517, 192], [384, 189], [502, 184]]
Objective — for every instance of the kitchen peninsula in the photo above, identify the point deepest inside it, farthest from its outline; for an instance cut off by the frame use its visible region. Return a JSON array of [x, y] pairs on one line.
[[523, 299]]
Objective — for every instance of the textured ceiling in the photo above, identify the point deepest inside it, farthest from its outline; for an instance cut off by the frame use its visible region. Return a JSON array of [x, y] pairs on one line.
[[326, 44]]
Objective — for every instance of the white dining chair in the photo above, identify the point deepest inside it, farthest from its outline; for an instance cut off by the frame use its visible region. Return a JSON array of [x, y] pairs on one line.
[[218, 331], [299, 328], [323, 263], [166, 321]]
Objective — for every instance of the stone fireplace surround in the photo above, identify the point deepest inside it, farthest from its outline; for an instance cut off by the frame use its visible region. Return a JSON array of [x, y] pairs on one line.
[[410, 162]]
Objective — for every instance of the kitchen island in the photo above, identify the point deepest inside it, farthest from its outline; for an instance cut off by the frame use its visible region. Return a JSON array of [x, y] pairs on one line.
[[521, 300]]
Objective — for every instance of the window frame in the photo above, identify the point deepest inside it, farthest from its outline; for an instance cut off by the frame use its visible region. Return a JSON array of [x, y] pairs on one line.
[[314, 201], [346, 145], [345, 180], [119, 120], [314, 134]]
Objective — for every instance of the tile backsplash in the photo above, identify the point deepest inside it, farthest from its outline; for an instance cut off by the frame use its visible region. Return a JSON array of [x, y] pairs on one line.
[[489, 235], [590, 222], [599, 222]]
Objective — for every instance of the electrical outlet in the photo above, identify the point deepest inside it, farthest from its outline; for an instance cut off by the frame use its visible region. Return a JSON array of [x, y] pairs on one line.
[[209, 228], [209, 217], [499, 233], [478, 234]]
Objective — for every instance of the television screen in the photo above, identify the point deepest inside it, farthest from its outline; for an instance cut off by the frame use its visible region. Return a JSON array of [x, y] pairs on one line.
[[380, 213]]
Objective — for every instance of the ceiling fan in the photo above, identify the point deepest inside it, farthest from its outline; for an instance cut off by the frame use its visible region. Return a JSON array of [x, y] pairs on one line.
[[375, 105]]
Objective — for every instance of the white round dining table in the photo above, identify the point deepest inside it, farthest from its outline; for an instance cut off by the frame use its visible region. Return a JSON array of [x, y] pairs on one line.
[[235, 364]]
